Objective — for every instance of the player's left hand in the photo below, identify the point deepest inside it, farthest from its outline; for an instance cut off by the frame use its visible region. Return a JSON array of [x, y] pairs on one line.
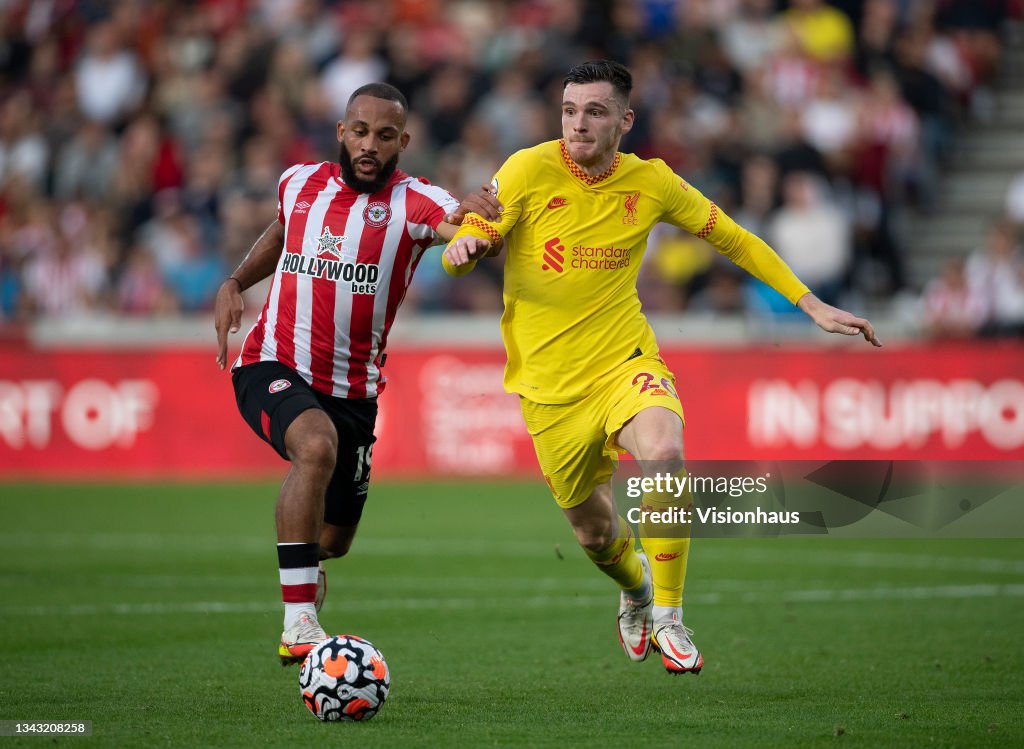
[[466, 249], [483, 203], [227, 316], [834, 320]]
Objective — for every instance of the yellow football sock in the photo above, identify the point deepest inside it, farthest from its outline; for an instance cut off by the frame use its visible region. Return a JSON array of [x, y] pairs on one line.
[[619, 559], [667, 544]]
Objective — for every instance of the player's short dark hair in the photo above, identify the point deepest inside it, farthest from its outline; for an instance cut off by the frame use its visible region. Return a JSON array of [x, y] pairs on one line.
[[381, 91], [593, 71]]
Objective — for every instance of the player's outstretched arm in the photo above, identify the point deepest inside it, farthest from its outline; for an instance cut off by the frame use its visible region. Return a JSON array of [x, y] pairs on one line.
[[835, 320], [258, 264]]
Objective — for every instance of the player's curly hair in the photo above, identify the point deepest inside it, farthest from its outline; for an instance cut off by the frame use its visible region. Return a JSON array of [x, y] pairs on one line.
[[593, 71], [384, 91]]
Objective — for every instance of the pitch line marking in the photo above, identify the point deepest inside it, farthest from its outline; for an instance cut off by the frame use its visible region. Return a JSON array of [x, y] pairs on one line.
[[823, 595], [383, 546]]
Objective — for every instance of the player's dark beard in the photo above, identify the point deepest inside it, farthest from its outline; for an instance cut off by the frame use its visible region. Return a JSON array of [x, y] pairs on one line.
[[348, 173]]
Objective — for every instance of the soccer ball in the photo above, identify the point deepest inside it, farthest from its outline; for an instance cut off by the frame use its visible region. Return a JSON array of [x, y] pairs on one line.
[[344, 678]]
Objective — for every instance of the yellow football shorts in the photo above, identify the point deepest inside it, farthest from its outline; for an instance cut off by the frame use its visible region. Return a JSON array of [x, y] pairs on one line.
[[576, 442]]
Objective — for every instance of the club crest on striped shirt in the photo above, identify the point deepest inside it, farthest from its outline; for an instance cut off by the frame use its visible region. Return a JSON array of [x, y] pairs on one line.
[[278, 385], [377, 214]]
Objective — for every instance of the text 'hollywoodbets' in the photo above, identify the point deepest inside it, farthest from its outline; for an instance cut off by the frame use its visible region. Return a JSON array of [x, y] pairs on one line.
[[362, 276]]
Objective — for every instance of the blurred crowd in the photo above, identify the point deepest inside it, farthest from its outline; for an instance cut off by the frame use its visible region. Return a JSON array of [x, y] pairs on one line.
[[141, 141]]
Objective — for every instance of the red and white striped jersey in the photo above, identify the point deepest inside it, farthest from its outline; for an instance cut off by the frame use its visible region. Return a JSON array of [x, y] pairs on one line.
[[347, 263]]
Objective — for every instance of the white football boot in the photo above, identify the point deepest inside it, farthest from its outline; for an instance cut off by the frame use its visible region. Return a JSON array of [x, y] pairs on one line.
[[678, 653], [299, 639], [636, 620]]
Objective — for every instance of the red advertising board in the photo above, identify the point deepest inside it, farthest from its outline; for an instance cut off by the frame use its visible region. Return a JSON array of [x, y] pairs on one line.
[[169, 413]]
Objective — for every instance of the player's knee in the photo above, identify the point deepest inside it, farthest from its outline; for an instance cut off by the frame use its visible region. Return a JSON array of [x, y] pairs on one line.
[[318, 451], [594, 538], [666, 451]]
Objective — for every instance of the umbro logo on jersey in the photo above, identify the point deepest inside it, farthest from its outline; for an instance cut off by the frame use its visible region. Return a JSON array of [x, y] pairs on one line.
[[278, 385], [554, 255], [302, 207], [557, 202]]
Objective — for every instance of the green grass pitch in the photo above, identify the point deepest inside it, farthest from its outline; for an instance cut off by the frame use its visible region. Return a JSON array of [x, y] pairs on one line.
[[153, 611]]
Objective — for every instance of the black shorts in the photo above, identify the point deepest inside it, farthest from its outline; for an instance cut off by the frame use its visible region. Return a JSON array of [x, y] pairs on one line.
[[270, 396]]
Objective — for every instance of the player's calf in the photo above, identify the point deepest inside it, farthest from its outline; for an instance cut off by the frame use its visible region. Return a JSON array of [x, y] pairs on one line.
[[299, 570]]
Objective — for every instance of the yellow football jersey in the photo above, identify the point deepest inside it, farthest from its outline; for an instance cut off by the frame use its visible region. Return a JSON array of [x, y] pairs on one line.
[[574, 245]]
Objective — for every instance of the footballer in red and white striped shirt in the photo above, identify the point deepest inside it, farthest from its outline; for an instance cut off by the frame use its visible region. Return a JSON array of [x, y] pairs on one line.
[[342, 252], [347, 262]]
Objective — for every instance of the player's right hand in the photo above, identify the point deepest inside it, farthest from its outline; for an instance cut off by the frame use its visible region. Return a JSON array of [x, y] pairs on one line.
[[227, 316], [465, 250], [483, 203], [834, 320]]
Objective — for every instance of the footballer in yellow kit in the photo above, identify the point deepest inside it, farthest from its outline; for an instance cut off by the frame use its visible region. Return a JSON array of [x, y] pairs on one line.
[[573, 327], [576, 217], [574, 249]]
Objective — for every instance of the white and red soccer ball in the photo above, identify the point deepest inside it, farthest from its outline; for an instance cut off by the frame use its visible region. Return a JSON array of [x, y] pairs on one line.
[[344, 678]]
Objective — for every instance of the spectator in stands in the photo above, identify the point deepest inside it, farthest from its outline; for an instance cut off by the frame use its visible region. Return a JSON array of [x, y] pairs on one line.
[[996, 273], [140, 288], [504, 108], [86, 164], [929, 97], [952, 307], [358, 64], [69, 276], [23, 150], [876, 37], [113, 102], [758, 193], [445, 104], [812, 235], [791, 75], [830, 119], [110, 80], [1015, 202], [753, 37], [973, 28], [824, 32], [888, 132], [192, 269]]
